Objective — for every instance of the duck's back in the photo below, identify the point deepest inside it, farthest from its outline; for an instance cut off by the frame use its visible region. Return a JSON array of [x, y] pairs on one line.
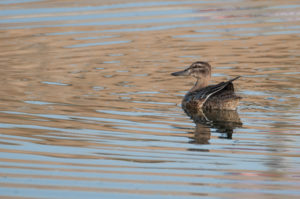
[[219, 96]]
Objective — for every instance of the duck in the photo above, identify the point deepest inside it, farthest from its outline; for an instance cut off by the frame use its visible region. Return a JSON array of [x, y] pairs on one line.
[[203, 96]]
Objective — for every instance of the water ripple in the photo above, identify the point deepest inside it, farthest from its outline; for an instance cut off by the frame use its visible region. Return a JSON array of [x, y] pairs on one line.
[[89, 109]]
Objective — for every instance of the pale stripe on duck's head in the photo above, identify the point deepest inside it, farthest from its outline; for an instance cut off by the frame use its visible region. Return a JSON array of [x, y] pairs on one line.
[[198, 69]]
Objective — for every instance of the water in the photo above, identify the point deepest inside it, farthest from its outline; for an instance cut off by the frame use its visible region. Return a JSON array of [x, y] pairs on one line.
[[89, 110]]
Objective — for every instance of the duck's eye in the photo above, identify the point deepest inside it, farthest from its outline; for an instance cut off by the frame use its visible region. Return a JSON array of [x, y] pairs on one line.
[[200, 70]]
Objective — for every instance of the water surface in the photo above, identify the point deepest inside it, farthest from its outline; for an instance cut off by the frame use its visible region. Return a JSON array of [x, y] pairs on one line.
[[88, 108]]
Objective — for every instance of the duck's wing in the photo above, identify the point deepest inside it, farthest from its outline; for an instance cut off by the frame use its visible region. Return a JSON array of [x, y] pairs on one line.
[[205, 93]]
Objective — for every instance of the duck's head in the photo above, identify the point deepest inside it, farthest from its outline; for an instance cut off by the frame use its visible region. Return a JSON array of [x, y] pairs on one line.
[[199, 70]]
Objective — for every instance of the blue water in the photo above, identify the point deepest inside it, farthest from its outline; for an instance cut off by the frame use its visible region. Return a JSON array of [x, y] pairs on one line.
[[88, 108]]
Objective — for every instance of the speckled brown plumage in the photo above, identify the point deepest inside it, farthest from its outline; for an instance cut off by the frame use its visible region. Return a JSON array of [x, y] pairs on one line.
[[201, 96], [220, 96]]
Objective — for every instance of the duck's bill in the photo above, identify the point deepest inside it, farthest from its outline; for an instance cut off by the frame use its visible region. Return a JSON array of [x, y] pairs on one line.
[[181, 73]]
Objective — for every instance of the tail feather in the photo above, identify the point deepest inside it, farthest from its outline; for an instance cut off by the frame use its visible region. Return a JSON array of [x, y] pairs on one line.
[[234, 78]]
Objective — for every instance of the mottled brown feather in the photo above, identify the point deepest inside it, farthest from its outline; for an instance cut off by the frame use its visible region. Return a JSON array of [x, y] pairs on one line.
[[220, 96]]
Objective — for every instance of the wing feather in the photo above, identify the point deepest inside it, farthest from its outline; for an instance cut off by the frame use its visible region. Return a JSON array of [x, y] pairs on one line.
[[205, 93]]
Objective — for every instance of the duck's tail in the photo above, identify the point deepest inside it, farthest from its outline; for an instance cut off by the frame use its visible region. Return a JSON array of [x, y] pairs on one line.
[[234, 78]]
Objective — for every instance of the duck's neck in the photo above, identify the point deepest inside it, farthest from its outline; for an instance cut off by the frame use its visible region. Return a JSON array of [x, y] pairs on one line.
[[201, 83]]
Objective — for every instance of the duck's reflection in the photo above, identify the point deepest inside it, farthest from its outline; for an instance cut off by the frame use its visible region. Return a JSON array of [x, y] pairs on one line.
[[223, 121]]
